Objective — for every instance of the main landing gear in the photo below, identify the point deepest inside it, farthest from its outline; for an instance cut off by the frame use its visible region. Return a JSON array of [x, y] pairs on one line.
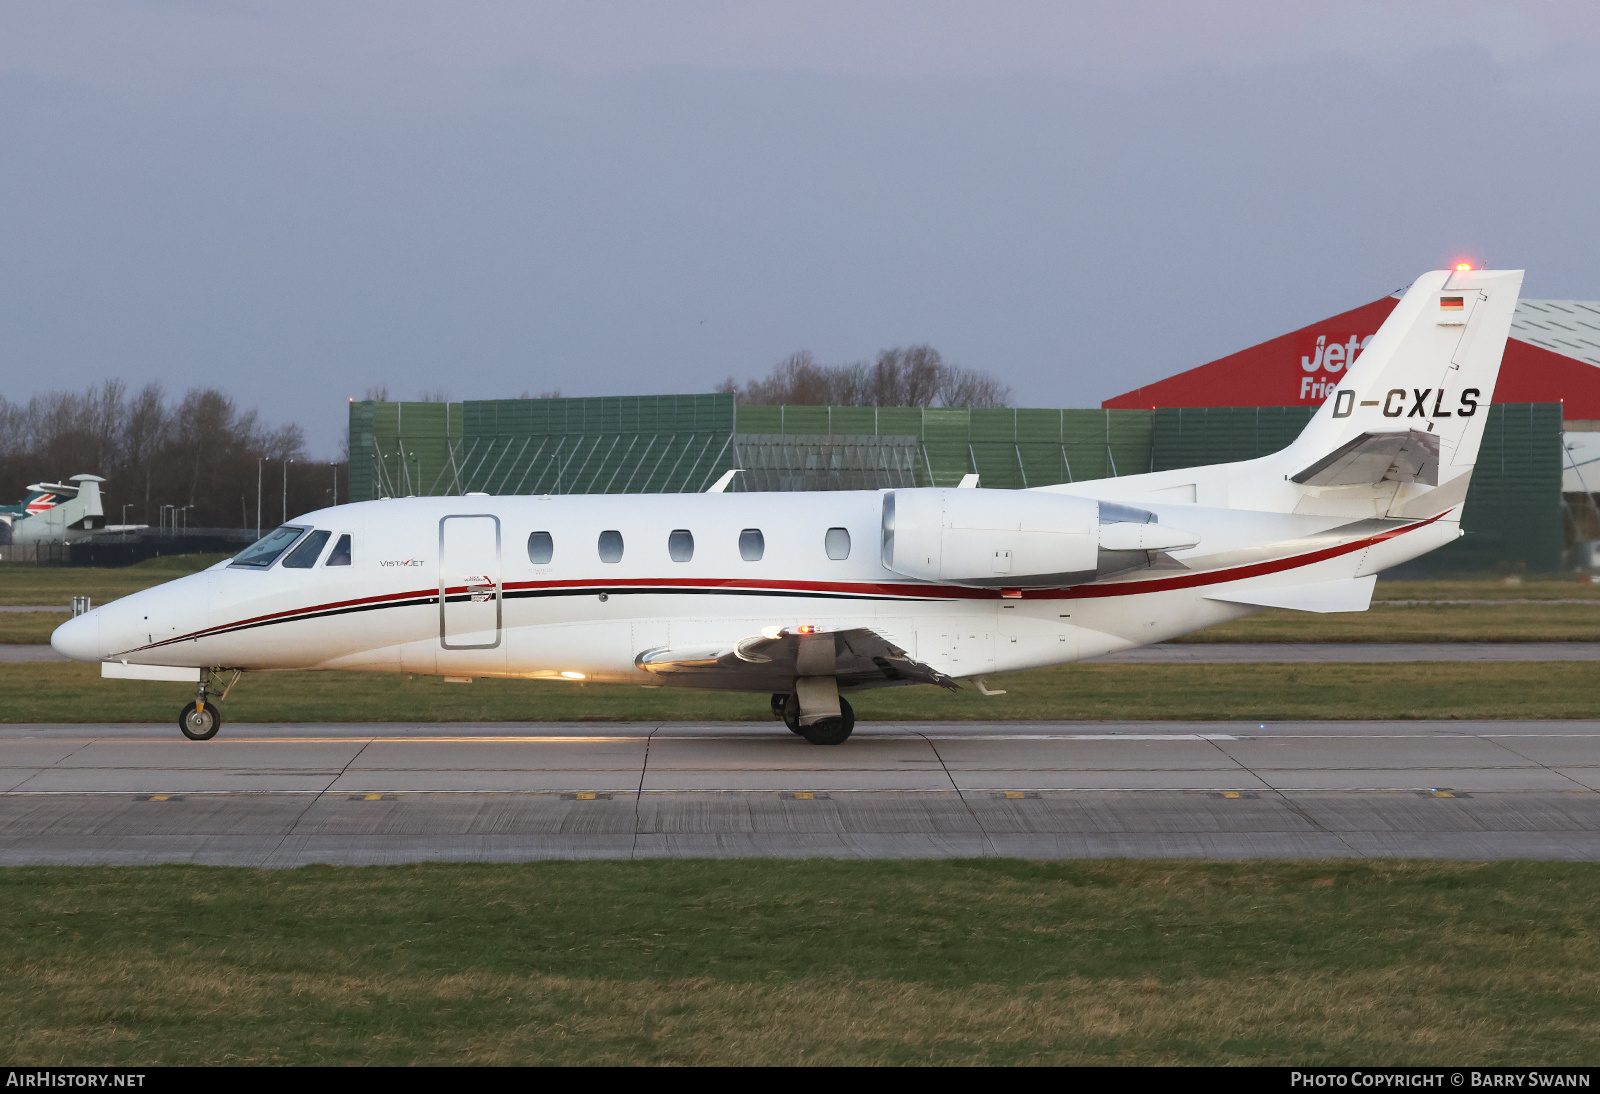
[[202, 718], [828, 731]]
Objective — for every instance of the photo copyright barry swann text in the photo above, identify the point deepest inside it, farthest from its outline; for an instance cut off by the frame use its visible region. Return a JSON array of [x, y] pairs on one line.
[[1448, 1078]]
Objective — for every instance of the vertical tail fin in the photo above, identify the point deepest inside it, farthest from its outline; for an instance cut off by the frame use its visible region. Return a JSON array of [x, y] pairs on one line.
[[1430, 371]]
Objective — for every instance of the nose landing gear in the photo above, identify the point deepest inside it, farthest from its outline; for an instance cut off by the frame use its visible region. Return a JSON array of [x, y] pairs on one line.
[[201, 719]]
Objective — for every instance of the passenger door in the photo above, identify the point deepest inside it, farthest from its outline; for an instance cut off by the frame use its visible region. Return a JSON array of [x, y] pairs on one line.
[[469, 582]]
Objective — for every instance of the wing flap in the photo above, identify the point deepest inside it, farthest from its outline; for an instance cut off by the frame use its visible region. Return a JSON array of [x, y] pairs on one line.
[[858, 658]]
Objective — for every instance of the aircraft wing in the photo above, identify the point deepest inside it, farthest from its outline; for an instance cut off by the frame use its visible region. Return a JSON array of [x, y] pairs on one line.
[[1402, 456], [859, 658]]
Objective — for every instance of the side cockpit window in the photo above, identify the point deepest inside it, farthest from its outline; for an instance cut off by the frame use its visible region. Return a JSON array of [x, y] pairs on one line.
[[340, 555], [265, 551], [305, 555]]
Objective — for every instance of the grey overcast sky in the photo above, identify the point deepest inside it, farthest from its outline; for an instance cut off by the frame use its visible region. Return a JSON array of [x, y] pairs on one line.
[[295, 201]]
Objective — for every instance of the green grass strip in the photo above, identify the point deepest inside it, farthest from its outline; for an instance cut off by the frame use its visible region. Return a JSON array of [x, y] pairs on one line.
[[816, 961], [47, 692]]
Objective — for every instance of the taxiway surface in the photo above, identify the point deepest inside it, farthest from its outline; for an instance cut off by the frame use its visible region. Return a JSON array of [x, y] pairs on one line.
[[286, 795]]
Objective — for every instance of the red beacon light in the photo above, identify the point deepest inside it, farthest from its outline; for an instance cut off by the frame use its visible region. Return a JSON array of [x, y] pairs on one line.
[[1462, 267]]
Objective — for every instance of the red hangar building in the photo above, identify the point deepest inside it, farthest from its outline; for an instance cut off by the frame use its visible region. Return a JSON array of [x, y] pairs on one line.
[[1538, 499]]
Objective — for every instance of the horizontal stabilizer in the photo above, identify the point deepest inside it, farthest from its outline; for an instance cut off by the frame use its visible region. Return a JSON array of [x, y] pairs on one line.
[[1348, 595], [1401, 456]]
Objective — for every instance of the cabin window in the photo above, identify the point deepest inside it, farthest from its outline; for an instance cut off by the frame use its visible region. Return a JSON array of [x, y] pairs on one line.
[[752, 545], [611, 545], [680, 545], [541, 548], [837, 543], [304, 556], [340, 555], [265, 551]]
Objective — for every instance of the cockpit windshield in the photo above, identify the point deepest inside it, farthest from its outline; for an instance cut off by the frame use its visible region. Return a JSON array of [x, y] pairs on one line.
[[265, 551]]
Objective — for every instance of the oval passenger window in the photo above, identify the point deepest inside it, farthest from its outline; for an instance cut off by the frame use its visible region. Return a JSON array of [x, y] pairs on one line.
[[541, 548], [680, 545], [837, 543], [611, 545], [752, 545]]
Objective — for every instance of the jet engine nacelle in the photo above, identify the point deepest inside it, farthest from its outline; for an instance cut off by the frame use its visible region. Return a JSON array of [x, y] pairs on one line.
[[1016, 538]]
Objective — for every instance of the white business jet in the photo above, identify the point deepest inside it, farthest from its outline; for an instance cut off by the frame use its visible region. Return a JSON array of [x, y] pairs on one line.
[[811, 596]]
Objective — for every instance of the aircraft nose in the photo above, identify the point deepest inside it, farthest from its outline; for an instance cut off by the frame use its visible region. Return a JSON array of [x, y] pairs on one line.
[[79, 637]]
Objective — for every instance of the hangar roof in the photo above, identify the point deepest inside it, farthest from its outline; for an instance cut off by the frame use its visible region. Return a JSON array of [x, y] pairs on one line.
[[1553, 355], [1570, 327]]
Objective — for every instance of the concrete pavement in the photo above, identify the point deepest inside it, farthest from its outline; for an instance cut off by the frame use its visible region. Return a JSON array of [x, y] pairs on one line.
[[290, 795]]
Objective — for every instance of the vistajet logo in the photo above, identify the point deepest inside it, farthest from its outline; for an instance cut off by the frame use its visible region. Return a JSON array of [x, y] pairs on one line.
[[400, 562], [1323, 357]]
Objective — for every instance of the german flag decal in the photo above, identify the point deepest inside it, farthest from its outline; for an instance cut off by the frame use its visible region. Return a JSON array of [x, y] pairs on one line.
[[1452, 303]]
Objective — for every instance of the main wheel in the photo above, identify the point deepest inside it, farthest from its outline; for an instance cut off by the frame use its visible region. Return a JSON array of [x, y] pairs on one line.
[[832, 731], [200, 725], [791, 712]]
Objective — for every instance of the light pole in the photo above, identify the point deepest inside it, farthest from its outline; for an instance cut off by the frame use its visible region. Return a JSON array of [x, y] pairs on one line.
[[125, 514], [258, 497], [286, 464]]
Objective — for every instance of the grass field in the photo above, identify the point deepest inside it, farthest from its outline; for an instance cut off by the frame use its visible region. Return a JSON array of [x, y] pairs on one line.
[[57, 585], [47, 692], [816, 961]]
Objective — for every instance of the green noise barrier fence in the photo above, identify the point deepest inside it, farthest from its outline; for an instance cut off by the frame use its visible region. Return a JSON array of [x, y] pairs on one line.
[[684, 443]]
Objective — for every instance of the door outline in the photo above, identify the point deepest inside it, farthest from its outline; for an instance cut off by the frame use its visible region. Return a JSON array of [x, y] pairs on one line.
[[444, 642]]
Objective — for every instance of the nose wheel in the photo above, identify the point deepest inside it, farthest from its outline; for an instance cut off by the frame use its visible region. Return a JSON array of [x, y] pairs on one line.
[[200, 723], [202, 718]]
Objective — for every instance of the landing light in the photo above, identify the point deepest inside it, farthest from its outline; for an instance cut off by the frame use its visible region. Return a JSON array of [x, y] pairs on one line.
[[773, 633], [574, 676]]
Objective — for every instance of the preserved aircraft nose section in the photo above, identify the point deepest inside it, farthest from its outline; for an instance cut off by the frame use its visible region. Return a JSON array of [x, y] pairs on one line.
[[1020, 539]]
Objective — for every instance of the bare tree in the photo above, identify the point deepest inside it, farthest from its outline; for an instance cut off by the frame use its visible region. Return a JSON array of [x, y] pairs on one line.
[[971, 389], [201, 453], [908, 376]]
